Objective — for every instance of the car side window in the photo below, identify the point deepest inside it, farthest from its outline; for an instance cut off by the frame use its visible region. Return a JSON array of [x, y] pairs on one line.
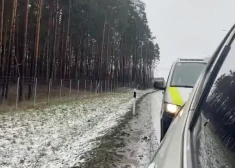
[[215, 137]]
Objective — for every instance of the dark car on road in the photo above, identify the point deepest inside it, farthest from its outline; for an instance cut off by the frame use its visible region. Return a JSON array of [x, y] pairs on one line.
[[202, 135], [159, 81]]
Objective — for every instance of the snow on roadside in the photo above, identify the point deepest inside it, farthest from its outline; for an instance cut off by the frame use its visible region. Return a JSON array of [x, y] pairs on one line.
[[156, 105], [59, 135]]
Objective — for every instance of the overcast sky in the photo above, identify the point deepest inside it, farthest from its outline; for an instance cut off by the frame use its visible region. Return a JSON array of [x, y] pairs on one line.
[[188, 28]]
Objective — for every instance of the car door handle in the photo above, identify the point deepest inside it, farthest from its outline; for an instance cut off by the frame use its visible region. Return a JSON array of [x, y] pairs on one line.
[[207, 121]]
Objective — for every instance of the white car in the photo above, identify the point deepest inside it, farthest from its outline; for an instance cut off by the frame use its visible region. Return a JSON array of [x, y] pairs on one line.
[[202, 135], [181, 80]]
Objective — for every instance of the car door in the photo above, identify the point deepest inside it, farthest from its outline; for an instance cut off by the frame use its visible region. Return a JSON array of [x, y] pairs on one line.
[[213, 132]]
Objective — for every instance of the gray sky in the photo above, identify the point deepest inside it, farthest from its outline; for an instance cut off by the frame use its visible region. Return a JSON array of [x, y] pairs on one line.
[[188, 28]]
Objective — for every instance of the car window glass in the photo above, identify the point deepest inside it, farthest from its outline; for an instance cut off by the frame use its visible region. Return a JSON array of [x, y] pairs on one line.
[[167, 80], [216, 138], [186, 74]]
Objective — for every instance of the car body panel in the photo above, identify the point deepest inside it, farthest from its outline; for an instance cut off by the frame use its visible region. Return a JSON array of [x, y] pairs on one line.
[[183, 95], [170, 152]]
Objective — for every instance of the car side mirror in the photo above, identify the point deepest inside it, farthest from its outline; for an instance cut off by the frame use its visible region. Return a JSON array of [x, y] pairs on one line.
[[159, 85]]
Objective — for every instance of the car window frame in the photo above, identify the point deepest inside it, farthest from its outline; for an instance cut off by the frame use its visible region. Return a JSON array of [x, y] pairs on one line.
[[211, 80], [170, 74], [210, 74], [167, 85], [203, 89]]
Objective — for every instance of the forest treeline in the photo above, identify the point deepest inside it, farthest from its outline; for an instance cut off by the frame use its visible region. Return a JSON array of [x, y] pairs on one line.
[[74, 39]]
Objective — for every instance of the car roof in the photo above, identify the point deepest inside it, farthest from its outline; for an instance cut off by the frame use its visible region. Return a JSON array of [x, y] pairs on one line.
[[203, 60]]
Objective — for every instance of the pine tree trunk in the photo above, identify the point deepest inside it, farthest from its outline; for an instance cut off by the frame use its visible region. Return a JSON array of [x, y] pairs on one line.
[[70, 54], [3, 60], [107, 54], [36, 45], [24, 51], [82, 51], [67, 35], [102, 48], [76, 58], [58, 53], [55, 40], [2, 55], [1, 28], [62, 37], [10, 49]]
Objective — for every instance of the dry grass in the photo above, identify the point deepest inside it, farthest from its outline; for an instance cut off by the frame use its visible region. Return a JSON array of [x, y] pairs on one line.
[[42, 98]]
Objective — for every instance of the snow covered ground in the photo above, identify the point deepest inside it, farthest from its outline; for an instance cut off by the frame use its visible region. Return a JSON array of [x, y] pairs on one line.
[[142, 140], [156, 103], [60, 135], [133, 144]]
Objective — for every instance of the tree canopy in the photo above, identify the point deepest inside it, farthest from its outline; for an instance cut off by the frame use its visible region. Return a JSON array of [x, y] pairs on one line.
[[75, 39]]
